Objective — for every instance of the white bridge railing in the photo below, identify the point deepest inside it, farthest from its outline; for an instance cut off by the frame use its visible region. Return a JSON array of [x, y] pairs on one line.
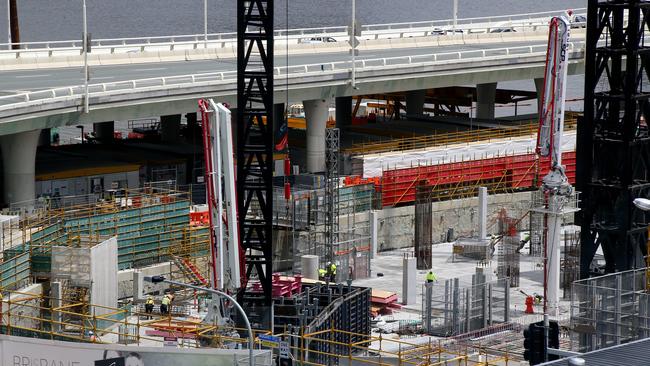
[[25, 99], [517, 22]]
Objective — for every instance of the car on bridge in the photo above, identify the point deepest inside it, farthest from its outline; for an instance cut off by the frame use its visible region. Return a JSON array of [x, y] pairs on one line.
[[502, 30], [317, 40]]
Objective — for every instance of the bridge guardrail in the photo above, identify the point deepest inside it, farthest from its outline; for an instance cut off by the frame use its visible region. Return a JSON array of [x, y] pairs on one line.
[[10, 102], [519, 22]]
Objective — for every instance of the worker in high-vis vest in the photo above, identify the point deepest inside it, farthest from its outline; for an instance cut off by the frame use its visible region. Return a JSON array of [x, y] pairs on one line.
[[165, 304], [332, 272], [148, 305], [431, 277], [322, 273]]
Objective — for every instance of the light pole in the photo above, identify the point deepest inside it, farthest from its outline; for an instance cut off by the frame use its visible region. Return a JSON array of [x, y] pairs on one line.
[[205, 23], [455, 15], [9, 23], [354, 44], [85, 47], [251, 337]]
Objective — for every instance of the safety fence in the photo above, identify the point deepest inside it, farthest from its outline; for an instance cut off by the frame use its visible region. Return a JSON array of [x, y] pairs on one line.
[[609, 310], [501, 174], [452, 138]]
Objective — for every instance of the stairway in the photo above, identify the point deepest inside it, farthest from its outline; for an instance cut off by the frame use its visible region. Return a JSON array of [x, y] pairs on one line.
[[190, 271]]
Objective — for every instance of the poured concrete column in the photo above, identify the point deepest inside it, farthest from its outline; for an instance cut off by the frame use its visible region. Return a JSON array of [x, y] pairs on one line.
[[409, 280], [485, 98], [374, 233], [343, 111], [138, 285], [19, 160], [316, 113], [170, 128], [56, 301], [309, 264], [415, 102], [482, 212], [104, 131], [539, 88]]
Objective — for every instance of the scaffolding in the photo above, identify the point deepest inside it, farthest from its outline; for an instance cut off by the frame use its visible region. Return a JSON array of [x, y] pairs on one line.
[[609, 310], [351, 251], [423, 226]]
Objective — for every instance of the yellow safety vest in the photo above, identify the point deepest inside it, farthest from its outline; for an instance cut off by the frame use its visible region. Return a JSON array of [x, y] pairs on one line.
[[333, 268], [322, 272], [149, 301], [431, 277], [166, 300]]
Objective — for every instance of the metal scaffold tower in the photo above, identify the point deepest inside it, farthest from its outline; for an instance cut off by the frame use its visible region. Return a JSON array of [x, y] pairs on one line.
[[613, 148], [332, 145], [255, 145]]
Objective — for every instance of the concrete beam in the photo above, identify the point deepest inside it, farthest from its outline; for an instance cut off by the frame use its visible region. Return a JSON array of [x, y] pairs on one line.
[[316, 113], [485, 97], [19, 162]]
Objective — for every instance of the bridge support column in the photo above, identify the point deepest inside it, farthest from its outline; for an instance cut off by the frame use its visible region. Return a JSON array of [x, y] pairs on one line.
[[104, 131], [170, 128], [343, 111], [45, 137], [539, 88], [415, 102], [485, 98], [19, 161], [316, 113]]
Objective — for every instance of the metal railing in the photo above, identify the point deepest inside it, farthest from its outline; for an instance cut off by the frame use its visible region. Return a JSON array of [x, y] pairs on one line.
[[521, 22], [10, 102]]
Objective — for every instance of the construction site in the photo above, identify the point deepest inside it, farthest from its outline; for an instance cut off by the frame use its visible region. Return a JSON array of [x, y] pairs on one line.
[[430, 239]]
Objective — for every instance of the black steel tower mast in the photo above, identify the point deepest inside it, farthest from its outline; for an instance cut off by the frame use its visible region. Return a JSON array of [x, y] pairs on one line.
[[255, 144], [613, 148]]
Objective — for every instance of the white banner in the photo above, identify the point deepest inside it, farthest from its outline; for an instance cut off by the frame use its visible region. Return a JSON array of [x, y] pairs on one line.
[[21, 351]]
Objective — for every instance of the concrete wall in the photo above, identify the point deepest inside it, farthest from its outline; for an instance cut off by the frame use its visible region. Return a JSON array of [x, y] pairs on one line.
[[23, 312], [125, 279], [103, 271], [396, 226]]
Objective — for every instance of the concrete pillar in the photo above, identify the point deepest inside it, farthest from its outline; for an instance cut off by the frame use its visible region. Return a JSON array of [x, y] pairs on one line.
[[415, 102], [309, 264], [19, 160], [343, 112], [409, 280], [374, 233], [104, 131], [482, 213], [485, 97], [316, 113], [56, 301], [170, 128], [138, 285], [539, 88]]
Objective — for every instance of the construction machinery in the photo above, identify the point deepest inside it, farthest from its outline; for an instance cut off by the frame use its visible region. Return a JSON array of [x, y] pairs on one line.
[[225, 262], [556, 190]]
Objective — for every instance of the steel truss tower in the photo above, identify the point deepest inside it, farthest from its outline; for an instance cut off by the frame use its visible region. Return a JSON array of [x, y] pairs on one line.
[[613, 148], [255, 145]]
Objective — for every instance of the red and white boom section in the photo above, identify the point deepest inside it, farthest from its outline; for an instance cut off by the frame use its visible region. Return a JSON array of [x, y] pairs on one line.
[[220, 187]]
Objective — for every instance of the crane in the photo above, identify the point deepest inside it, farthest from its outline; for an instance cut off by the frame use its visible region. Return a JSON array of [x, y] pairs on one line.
[[555, 185]]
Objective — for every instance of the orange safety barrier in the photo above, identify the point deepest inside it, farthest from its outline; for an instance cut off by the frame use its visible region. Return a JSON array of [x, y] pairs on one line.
[[520, 172], [199, 218]]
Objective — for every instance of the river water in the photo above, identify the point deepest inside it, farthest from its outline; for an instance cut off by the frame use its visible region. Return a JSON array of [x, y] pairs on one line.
[[47, 20]]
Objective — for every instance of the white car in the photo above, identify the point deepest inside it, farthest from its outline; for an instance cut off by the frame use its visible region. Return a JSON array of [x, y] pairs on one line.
[[317, 40]]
